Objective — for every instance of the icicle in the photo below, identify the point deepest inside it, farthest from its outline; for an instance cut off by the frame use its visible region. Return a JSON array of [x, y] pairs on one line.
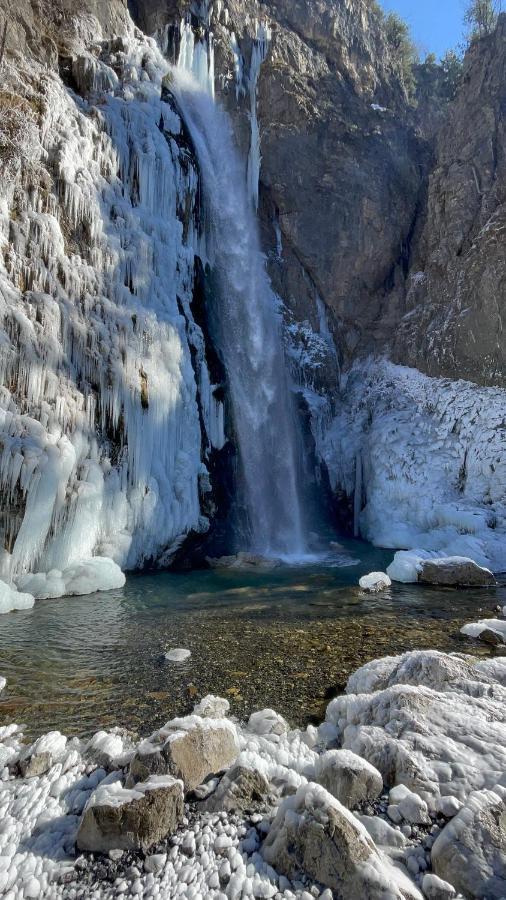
[[258, 56], [357, 498]]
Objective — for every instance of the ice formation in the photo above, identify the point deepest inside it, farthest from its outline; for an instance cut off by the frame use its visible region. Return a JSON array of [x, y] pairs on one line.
[[11, 598], [99, 417], [434, 724], [431, 454]]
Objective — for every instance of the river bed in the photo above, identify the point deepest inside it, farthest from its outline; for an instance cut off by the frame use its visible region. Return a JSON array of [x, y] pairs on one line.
[[287, 638]]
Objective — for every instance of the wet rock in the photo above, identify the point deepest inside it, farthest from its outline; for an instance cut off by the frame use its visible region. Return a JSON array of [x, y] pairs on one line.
[[190, 749], [470, 852], [455, 571], [243, 561], [489, 636], [315, 834], [119, 819], [239, 790], [348, 777]]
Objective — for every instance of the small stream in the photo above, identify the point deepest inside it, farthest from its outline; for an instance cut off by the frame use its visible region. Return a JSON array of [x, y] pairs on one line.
[[287, 638]]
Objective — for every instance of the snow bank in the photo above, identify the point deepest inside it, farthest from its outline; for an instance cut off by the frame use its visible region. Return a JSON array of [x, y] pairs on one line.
[[86, 577], [11, 598], [426, 458]]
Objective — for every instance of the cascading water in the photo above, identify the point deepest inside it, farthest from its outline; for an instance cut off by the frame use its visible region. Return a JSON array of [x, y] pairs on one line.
[[246, 320]]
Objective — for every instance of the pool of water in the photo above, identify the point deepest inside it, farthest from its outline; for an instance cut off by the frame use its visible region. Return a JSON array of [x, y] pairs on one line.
[[286, 638]]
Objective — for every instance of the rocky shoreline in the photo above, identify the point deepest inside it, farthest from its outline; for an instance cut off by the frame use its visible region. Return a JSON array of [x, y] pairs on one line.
[[399, 793]]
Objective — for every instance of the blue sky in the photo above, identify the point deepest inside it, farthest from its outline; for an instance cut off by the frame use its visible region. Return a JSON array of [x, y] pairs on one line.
[[436, 25]]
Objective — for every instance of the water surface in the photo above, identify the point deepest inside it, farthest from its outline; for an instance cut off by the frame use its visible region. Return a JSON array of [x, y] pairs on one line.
[[288, 638]]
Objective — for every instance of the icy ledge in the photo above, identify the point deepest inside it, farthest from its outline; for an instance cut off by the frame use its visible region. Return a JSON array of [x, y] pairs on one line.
[[410, 805], [85, 577]]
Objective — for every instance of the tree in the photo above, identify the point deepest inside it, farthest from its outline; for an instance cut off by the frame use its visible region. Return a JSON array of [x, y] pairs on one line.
[[452, 65], [481, 17], [402, 49]]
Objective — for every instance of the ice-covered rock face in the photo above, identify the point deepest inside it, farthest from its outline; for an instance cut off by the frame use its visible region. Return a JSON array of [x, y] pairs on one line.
[[423, 458], [99, 420]]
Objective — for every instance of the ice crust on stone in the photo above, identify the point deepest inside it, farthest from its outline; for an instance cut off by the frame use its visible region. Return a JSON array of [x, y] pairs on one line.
[[178, 655], [475, 629], [437, 722]]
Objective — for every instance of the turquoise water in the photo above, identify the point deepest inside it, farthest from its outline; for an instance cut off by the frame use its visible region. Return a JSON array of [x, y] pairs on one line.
[[287, 638]]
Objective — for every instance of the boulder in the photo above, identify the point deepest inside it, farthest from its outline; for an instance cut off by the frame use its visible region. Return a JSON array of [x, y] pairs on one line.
[[382, 833], [40, 756], [454, 571], [315, 834], [119, 819], [191, 749], [267, 723], [470, 852], [411, 807], [375, 582], [348, 777], [435, 888], [241, 789]]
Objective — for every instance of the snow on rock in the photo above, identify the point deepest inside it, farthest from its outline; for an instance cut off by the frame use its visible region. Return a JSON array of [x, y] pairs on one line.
[[347, 777], [477, 629], [3, 682], [431, 722], [435, 888], [11, 598], [314, 833], [431, 568], [470, 852], [431, 456], [116, 818], [99, 404], [211, 707], [267, 722], [375, 582], [190, 748]]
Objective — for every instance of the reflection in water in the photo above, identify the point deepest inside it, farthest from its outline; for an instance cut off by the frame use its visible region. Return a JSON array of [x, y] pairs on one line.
[[287, 638]]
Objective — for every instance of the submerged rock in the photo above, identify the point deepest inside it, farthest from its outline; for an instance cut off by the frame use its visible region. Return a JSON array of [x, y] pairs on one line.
[[190, 749], [348, 777], [244, 561], [470, 852], [116, 818], [315, 834]]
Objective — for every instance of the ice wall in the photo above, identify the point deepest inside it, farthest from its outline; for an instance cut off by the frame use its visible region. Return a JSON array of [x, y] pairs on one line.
[[432, 459], [100, 435]]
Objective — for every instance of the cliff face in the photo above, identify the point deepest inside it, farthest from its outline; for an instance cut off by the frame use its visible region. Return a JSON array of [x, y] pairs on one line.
[[456, 299], [115, 421]]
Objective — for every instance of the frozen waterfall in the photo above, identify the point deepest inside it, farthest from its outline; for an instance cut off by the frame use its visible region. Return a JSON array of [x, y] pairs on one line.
[[247, 325]]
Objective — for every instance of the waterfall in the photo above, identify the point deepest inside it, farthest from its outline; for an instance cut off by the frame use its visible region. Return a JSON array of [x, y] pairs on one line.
[[246, 322]]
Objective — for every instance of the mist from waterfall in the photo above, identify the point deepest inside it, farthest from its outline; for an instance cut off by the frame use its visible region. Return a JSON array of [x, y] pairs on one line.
[[246, 323]]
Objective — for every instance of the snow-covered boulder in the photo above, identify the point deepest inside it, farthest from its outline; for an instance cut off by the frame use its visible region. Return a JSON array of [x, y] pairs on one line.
[[381, 832], [427, 567], [109, 750], [314, 833], [239, 790], [485, 629], [268, 723], [119, 819], [11, 598], [347, 777], [435, 888], [409, 806], [375, 582], [190, 748], [432, 722], [40, 756], [470, 852]]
